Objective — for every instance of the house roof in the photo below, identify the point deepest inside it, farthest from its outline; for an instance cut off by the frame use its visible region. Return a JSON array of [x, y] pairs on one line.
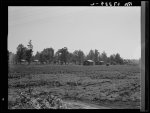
[[36, 60], [90, 60], [23, 60]]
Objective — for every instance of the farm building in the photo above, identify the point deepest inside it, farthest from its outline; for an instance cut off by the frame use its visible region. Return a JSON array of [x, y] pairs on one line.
[[23, 61], [99, 63], [88, 62], [36, 62]]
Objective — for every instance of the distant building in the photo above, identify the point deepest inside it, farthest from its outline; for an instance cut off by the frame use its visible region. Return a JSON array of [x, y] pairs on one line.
[[23, 61], [88, 62], [36, 62], [99, 63]]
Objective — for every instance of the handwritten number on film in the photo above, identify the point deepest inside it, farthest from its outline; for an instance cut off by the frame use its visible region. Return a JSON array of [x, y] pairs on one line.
[[110, 4], [106, 4], [128, 4]]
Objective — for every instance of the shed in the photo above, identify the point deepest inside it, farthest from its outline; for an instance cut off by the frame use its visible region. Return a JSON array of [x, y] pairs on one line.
[[35, 60], [88, 62], [99, 62], [23, 60]]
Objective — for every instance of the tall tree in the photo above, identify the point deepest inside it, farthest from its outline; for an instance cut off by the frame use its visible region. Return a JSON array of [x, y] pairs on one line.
[[21, 52], [63, 55], [37, 55], [78, 56], [104, 56], [29, 52], [118, 59], [91, 55], [75, 56], [57, 57], [96, 54], [112, 59], [70, 57], [51, 54], [48, 54], [42, 57]]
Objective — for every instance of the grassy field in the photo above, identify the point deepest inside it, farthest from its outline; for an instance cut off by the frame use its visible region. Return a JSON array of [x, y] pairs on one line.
[[115, 86]]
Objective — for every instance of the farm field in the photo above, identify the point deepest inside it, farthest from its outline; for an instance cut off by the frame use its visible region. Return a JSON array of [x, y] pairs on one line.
[[114, 86]]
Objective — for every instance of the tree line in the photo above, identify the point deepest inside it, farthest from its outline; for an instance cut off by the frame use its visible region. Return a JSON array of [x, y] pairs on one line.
[[61, 56]]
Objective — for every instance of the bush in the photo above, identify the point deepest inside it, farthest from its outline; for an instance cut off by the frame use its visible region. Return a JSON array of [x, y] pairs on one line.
[[46, 101], [107, 64]]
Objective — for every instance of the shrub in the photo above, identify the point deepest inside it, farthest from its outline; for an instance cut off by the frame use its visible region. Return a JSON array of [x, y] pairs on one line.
[[47, 101]]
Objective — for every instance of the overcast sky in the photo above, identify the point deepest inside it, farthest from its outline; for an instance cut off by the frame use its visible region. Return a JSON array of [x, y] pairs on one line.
[[109, 29]]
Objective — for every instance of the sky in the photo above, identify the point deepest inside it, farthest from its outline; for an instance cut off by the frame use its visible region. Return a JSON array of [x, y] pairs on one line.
[[110, 29]]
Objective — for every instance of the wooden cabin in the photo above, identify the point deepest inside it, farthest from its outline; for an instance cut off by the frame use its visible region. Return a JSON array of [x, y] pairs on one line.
[[88, 62]]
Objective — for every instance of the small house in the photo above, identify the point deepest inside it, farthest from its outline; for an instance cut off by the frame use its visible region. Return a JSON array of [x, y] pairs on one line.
[[36, 61], [88, 62], [23, 61], [99, 63]]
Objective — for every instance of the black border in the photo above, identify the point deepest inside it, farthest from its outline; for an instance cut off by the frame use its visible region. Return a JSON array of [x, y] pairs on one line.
[[65, 2], [145, 56], [3, 44], [147, 105]]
